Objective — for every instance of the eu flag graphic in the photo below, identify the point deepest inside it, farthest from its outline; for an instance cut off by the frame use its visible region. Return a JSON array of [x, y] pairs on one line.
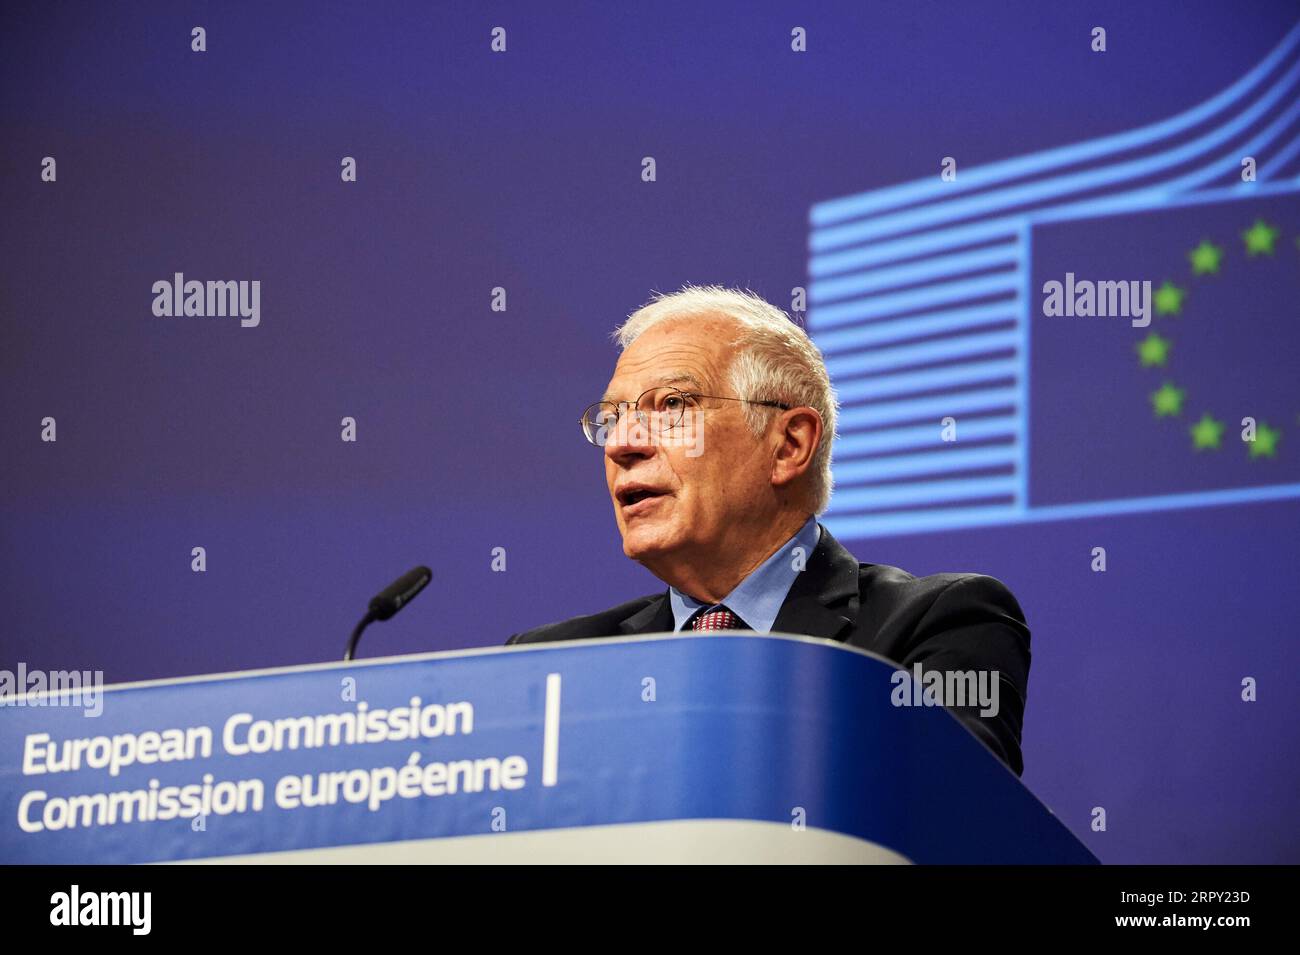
[[1203, 398], [965, 401]]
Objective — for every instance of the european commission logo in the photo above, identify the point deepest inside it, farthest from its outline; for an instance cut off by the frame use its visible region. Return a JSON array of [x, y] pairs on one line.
[[1108, 327]]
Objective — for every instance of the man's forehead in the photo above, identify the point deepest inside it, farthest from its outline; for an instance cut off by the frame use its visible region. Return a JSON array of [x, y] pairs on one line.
[[683, 354], [681, 378]]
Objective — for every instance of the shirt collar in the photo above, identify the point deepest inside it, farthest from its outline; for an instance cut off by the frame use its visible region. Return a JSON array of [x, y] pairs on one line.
[[757, 599]]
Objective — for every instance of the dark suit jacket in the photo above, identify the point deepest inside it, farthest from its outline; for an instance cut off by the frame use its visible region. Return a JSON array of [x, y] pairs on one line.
[[945, 622]]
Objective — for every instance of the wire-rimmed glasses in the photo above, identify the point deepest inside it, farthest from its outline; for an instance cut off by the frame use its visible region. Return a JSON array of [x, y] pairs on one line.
[[664, 410]]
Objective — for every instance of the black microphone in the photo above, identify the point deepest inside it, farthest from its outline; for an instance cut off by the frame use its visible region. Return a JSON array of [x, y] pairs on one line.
[[392, 599]]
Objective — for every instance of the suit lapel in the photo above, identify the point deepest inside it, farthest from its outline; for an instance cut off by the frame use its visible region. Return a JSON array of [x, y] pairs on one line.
[[824, 599], [654, 617], [823, 602]]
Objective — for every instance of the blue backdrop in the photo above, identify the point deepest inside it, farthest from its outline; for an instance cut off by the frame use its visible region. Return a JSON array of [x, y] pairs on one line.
[[522, 170]]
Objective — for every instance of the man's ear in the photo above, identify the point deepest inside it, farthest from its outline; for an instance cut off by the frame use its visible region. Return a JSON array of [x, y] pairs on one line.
[[799, 435]]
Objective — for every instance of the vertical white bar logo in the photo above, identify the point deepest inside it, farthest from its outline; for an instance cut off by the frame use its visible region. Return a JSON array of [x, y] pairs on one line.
[[551, 731]]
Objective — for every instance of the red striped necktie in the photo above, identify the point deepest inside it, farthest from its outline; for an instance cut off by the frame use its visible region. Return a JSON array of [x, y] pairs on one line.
[[718, 619]]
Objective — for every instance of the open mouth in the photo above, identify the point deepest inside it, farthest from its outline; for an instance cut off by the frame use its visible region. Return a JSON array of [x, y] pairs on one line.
[[635, 499]]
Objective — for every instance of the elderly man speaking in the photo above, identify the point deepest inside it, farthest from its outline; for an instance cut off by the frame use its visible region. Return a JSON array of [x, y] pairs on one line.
[[717, 428]]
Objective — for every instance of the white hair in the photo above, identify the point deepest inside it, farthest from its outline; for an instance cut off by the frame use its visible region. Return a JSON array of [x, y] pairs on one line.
[[774, 360]]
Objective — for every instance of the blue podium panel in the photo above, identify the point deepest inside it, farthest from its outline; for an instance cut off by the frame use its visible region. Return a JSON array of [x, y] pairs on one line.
[[719, 747]]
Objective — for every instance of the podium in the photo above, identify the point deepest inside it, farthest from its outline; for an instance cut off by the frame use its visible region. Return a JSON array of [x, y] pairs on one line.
[[721, 747]]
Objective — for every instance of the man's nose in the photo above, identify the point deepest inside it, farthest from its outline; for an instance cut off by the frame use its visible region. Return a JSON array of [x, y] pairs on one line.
[[631, 437]]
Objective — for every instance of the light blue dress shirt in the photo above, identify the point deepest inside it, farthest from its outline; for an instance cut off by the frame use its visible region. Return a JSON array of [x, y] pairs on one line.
[[757, 599]]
